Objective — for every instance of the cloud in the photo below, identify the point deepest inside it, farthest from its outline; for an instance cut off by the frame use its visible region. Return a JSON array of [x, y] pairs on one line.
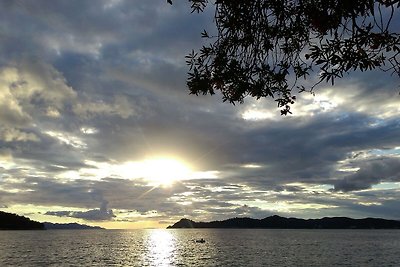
[[12, 113], [13, 134], [371, 173], [101, 214], [32, 90], [121, 107]]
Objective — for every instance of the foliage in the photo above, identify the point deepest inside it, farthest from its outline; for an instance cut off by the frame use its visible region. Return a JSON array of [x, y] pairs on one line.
[[263, 48]]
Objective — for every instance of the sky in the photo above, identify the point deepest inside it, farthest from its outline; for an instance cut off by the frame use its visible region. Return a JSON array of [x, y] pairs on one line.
[[97, 127]]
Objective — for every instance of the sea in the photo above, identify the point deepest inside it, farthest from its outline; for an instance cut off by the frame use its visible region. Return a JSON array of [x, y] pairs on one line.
[[185, 247]]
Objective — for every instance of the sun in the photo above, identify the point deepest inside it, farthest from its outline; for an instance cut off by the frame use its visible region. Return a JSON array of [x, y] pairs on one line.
[[164, 171], [156, 171]]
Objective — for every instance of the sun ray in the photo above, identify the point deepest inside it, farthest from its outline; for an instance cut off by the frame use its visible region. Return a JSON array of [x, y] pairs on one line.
[[148, 191]]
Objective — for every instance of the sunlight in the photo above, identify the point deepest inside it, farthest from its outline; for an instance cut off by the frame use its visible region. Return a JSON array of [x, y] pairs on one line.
[[257, 115], [165, 171], [161, 248], [157, 171]]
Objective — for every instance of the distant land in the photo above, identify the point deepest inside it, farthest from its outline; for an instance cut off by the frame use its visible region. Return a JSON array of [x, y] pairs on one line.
[[10, 221], [278, 222], [65, 226]]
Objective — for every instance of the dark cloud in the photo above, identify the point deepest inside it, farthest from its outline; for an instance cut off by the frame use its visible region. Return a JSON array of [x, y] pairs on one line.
[[101, 214], [371, 173]]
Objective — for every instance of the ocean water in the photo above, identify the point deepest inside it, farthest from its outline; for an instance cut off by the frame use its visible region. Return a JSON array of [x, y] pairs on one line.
[[222, 247]]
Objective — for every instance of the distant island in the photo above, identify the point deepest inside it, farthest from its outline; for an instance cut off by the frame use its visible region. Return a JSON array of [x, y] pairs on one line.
[[10, 221], [65, 226], [278, 222]]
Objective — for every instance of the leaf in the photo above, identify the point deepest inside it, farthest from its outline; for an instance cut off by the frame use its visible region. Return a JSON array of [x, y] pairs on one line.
[[204, 34]]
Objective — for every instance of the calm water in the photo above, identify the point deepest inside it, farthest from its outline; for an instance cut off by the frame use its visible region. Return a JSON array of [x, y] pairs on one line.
[[224, 247]]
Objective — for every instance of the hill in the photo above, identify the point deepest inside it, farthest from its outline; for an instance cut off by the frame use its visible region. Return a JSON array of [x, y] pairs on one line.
[[277, 222], [10, 221], [65, 226]]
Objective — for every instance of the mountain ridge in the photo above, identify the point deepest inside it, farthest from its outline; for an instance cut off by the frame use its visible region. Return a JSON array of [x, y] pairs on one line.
[[11, 221], [278, 222], [72, 226]]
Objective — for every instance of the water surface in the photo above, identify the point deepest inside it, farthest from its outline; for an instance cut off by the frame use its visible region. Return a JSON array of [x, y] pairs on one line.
[[178, 247]]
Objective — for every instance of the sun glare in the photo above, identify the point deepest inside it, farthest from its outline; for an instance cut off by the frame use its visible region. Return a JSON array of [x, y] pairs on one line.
[[164, 171], [156, 171]]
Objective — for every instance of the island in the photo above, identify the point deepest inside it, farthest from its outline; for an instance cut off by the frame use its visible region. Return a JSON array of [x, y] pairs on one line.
[[10, 221], [72, 226], [278, 222]]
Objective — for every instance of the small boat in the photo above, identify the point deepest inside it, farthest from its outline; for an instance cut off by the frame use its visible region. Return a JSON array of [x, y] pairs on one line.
[[201, 240]]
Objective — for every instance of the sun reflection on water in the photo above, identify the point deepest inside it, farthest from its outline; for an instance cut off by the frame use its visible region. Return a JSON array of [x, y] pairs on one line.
[[161, 248]]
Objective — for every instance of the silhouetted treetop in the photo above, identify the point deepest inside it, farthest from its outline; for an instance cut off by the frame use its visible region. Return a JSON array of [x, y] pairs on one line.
[[264, 48]]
